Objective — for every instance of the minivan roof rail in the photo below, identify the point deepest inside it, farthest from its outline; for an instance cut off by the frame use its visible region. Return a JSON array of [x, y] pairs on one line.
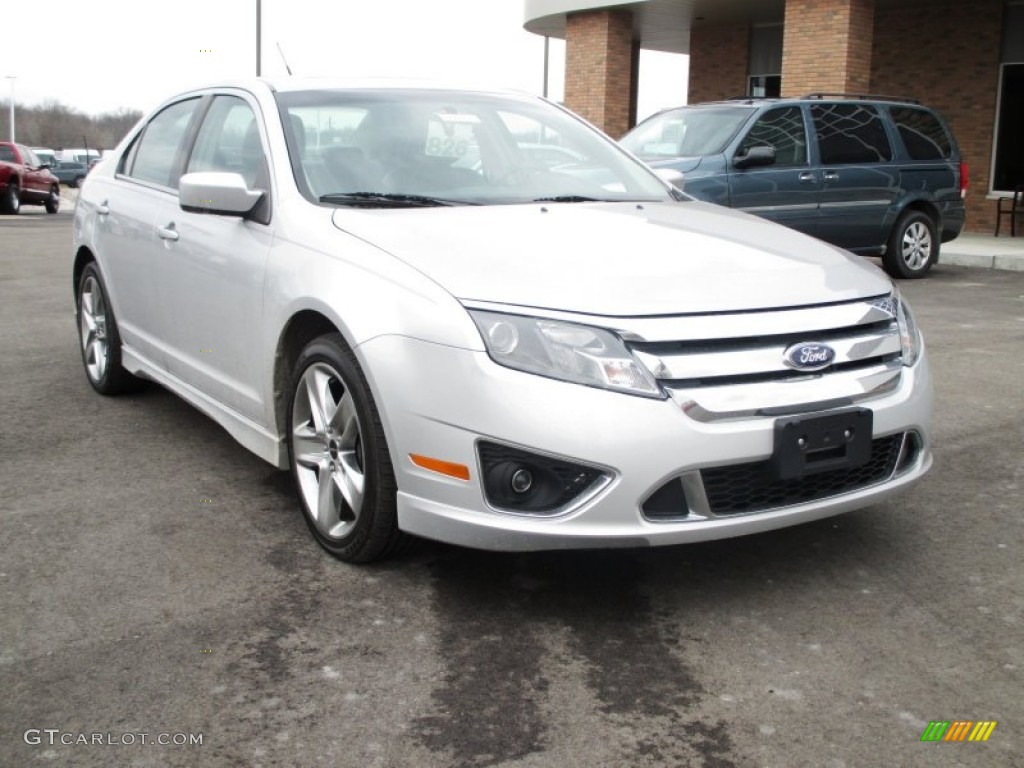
[[862, 96]]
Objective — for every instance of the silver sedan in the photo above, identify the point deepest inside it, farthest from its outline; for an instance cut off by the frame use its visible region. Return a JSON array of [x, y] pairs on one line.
[[382, 289]]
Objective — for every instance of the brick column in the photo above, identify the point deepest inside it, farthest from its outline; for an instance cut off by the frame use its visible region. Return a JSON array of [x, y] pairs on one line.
[[827, 46], [719, 61], [600, 70]]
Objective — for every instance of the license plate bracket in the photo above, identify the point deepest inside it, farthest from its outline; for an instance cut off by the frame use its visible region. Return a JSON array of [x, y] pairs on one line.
[[807, 445]]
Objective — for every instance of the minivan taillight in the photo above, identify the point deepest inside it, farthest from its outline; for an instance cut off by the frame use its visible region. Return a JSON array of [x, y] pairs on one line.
[[963, 180]]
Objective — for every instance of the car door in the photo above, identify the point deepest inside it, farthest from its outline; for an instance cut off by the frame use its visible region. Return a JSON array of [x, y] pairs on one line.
[[36, 181], [859, 180], [212, 266], [125, 234], [787, 190]]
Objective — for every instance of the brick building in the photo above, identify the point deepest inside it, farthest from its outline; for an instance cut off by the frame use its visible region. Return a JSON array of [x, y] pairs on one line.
[[962, 57]]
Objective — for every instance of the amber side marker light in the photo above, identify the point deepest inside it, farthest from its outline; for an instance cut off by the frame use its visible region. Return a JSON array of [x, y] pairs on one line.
[[458, 471]]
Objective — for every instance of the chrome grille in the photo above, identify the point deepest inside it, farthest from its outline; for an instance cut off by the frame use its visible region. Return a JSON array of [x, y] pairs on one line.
[[741, 372]]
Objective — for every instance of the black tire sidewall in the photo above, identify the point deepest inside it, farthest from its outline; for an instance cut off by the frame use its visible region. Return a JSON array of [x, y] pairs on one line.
[[377, 528], [114, 378], [893, 259], [11, 202], [53, 203]]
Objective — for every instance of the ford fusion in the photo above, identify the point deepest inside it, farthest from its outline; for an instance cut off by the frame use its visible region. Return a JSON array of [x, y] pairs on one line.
[[471, 317]]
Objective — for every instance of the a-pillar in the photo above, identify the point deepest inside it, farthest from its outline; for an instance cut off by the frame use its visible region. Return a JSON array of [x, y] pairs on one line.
[[601, 63], [827, 46]]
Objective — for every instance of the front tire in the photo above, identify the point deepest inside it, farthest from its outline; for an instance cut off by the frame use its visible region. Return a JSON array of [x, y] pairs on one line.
[[99, 337], [339, 455], [913, 246], [11, 200]]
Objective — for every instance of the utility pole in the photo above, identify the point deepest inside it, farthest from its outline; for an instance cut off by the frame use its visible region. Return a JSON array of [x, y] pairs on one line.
[[547, 41], [259, 30], [12, 78]]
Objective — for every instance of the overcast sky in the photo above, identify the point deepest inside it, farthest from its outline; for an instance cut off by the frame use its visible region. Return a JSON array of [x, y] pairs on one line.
[[101, 55]]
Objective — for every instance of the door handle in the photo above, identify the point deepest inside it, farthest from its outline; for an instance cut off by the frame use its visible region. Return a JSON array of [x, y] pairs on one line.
[[168, 232], [103, 209], [806, 177], [831, 176]]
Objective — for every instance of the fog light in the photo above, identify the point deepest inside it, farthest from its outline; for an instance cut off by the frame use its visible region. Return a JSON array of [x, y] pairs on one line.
[[522, 480], [519, 481]]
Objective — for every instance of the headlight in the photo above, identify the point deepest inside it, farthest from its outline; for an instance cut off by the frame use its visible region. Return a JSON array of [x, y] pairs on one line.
[[910, 336], [580, 354]]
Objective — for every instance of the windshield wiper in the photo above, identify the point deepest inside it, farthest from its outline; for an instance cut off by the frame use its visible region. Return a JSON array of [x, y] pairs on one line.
[[388, 199], [570, 199]]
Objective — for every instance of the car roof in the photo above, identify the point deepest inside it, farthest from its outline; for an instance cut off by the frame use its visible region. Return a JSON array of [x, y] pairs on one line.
[[293, 84], [814, 98]]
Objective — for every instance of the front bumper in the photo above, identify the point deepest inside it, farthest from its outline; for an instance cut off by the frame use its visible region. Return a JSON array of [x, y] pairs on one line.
[[439, 401]]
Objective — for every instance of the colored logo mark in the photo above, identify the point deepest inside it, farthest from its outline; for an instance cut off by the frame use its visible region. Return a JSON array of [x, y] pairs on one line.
[[958, 730]]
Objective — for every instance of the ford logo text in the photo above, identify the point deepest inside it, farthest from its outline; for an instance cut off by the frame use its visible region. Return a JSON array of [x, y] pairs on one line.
[[809, 356]]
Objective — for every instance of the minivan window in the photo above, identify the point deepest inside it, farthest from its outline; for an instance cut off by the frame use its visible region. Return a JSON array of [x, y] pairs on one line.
[[156, 151], [782, 129], [922, 134], [850, 133], [686, 132]]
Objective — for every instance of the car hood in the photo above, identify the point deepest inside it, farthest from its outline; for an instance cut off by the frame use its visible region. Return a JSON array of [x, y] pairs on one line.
[[681, 164], [616, 259]]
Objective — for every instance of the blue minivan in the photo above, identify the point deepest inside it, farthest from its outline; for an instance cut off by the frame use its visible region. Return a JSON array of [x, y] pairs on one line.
[[873, 175]]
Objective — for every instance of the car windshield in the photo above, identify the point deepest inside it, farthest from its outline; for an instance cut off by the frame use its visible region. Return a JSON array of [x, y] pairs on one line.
[[421, 147], [686, 132]]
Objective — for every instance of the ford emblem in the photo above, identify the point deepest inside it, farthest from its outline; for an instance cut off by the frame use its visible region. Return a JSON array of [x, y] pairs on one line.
[[809, 356]]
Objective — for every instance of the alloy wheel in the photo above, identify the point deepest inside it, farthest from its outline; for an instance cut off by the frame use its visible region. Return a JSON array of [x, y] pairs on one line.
[[93, 329], [327, 447]]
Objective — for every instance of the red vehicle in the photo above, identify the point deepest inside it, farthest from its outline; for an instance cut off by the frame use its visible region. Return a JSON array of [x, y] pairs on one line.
[[25, 180]]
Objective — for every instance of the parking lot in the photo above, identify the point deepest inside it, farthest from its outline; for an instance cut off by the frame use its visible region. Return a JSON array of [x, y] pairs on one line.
[[158, 579]]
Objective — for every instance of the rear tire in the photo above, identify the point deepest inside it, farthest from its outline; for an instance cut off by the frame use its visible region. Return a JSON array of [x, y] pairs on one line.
[[339, 455], [913, 246], [53, 201], [10, 202]]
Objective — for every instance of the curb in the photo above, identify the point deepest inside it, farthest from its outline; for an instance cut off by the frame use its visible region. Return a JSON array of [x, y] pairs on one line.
[[1012, 263]]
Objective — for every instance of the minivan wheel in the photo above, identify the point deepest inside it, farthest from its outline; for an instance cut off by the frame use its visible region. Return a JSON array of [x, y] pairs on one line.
[[100, 340], [913, 246], [339, 455]]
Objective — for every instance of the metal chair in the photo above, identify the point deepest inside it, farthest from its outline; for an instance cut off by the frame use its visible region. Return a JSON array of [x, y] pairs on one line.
[[1013, 210]]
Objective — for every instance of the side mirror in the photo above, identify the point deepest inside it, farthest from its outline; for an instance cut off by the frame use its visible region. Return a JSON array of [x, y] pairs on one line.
[[755, 156], [222, 193], [670, 175]]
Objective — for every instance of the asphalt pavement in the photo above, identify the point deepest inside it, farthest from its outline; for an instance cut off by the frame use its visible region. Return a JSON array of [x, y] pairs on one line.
[[157, 579]]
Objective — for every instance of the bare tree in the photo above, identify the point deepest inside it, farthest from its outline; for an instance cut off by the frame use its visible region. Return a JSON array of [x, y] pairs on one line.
[[56, 125]]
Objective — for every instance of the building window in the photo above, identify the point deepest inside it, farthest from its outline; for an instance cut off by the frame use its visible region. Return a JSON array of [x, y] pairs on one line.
[[765, 86], [765, 62], [1008, 158]]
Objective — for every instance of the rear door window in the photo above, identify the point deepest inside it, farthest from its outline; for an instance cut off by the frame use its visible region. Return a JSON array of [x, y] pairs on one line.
[[156, 155], [922, 134], [850, 133]]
